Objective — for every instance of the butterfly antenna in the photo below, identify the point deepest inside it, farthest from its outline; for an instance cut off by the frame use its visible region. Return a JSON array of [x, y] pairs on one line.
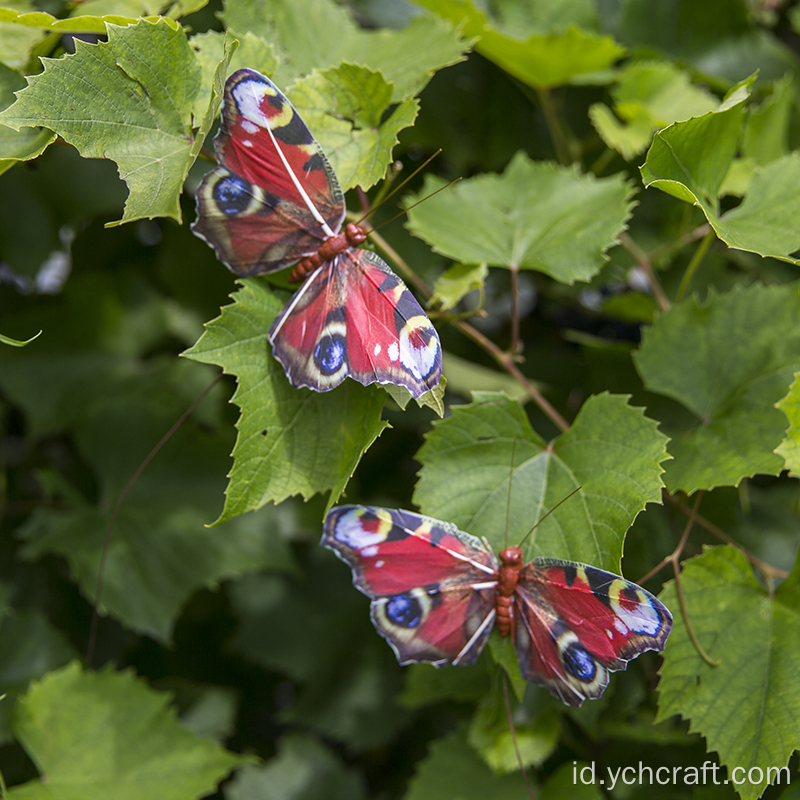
[[399, 187], [559, 503], [513, 731], [414, 205], [510, 479], [98, 592]]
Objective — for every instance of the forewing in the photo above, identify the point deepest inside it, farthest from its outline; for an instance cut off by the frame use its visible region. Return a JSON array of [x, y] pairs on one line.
[[577, 623], [432, 586], [354, 317], [274, 197]]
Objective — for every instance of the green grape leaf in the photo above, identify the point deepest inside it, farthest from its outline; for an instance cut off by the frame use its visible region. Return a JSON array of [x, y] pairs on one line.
[[317, 34], [456, 283], [533, 216], [246, 50], [649, 95], [728, 361], [789, 448], [612, 452], [347, 109], [209, 97], [690, 159], [17, 41], [542, 60], [83, 23], [156, 558], [31, 646], [766, 221], [490, 735], [128, 99], [765, 137], [303, 769], [291, 441], [748, 706], [107, 734], [27, 143], [451, 769]]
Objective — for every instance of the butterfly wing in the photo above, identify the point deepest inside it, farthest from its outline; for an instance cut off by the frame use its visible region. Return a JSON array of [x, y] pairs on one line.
[[432, 586], [576, 623], [274, 197], [354, 317]]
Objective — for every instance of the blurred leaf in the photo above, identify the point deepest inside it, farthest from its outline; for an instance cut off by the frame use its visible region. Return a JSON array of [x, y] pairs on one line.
[[649, 95], [355, 129], [106, 734], [535, 216], [303, 769], [542, 61], [17, 41], [789, 448], [612, 452], [455, 283], [728, 361], [78, 24], [425, 684], [452, 770], [156, 559], [130, 100], [572, 780], [317, 34], [766, 129], [31, 647], [291, 441], [491, 736], [748, 707], [212, 715]]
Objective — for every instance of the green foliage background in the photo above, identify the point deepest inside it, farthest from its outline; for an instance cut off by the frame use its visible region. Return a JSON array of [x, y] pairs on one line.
[[614, 283]]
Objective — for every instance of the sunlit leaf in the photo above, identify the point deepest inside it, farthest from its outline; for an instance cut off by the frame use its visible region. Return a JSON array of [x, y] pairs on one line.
[[534, 216], [728, 361], [612, 452], [107, 734], [748, 706], [291, 441]]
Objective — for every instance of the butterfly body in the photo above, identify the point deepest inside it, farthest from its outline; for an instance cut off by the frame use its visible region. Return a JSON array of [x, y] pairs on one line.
[[437, 592], [273, 201]]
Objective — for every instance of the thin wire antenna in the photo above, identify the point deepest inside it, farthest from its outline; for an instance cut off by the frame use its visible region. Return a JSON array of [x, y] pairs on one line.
[[399, 187], [98, 592], [406, 210], [559, 503]]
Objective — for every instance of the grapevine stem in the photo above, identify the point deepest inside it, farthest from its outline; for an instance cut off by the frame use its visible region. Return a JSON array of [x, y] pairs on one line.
[[503, 359], [674, 559], [694, 264], [554, 126], [643, 260]]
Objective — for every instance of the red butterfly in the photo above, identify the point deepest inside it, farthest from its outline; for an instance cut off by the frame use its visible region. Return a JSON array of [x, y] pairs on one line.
[[436, 593], [275, 200]]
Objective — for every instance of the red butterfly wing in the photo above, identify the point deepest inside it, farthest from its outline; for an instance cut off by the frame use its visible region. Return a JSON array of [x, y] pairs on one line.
[[432, 586], [274, 197], [575, 624], [355, 317]]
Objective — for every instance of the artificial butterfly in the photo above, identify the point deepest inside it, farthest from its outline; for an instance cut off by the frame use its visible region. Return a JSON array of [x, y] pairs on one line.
[[437, 592], [274, 200]]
